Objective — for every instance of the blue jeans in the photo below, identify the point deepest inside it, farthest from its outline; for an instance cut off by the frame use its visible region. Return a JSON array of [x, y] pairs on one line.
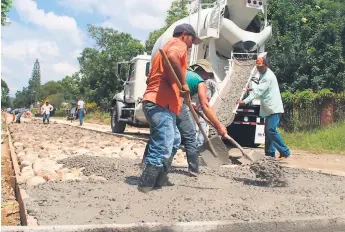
[[46, 117], [164, 135], [199, 137], [81, 116], [186, 126], [273, 140]]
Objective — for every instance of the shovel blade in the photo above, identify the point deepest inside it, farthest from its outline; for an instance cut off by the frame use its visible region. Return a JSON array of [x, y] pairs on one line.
[[214, 152]]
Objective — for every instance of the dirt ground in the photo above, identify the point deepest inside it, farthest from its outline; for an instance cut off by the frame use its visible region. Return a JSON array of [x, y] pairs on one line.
[[10, 215], [101, 174]]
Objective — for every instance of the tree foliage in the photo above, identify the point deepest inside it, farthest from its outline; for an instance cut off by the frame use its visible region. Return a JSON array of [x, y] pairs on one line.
[[97, 65], [177, 11], [35, 82], [307, 46], [4, 94], [5, 8]]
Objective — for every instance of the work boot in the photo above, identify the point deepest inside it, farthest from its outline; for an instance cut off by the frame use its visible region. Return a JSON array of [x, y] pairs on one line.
[[148, 178], [193, 165], [163, 179]]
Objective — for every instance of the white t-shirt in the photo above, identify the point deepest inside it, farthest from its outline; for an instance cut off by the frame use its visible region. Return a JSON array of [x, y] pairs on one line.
[[81, 104], [47, 109]]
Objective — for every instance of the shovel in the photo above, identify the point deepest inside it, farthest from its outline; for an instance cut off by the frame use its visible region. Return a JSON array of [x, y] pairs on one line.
[[211, 152], [246, 158]]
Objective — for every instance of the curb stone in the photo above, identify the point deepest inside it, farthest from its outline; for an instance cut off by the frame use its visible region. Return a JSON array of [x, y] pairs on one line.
[[306, 224]]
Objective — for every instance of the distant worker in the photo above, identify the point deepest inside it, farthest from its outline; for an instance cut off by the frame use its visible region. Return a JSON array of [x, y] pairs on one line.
[[162, 101], [271, 108], [46, 109], [73, 112], [17, 114], [81, 111]]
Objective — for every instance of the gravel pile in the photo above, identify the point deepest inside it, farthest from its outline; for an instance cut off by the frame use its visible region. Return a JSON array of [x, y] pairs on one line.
[[270, 172]]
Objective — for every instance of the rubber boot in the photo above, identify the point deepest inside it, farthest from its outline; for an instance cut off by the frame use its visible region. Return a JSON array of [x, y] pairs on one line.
[[148, 178], [193, 165], [163, 179]]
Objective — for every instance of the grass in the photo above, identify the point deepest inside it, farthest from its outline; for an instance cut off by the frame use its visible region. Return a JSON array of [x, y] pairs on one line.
[[326, 140], [98, 117]]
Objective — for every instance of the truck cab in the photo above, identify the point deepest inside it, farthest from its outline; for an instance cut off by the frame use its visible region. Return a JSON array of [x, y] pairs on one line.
[[126, 106]]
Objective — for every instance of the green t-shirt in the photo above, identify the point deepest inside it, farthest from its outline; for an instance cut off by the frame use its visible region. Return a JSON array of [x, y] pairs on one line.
[[193, 80]]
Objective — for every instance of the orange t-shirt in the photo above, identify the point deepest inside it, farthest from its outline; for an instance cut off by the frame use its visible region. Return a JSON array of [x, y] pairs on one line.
[[162, 88]]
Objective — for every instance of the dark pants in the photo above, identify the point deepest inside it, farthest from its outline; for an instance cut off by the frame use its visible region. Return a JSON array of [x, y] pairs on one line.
[[273, 140]]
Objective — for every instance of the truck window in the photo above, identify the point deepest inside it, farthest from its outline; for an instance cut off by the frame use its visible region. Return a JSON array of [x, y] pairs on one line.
[[147, 69], [131, 71]]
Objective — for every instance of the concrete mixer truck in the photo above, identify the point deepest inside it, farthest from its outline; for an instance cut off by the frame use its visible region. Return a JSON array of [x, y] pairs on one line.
[[233, 37]]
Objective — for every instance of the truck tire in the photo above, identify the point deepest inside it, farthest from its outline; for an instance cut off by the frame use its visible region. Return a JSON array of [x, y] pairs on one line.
[[116, 126]]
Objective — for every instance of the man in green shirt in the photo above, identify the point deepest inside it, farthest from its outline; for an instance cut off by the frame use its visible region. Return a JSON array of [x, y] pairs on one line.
[[196, 76]]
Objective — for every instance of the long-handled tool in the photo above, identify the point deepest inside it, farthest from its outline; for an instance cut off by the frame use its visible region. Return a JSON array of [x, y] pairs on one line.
[[211, 152], [247, 158]]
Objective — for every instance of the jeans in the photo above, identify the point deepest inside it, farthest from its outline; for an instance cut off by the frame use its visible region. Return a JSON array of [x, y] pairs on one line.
[[18, 116], [186, 125], [46, 117], [273, 140], [81, 116], [199, 137], [164, 135]]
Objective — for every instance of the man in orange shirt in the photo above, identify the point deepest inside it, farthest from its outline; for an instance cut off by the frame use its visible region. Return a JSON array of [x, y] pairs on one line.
[[162, 101]]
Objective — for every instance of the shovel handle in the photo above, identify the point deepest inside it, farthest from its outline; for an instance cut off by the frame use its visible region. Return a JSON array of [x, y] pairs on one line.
[[187, 98]]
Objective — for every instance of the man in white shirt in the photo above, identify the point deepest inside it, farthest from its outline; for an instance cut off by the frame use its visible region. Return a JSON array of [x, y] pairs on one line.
[[80, 110], [45, 111]]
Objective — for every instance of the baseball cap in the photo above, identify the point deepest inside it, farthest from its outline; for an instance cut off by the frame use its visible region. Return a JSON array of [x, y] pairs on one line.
[[189, 30], [261, 61], [204, 64]]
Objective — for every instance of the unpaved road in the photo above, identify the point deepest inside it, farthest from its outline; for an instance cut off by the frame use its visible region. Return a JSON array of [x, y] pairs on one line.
[[9, 205], [75, 176]]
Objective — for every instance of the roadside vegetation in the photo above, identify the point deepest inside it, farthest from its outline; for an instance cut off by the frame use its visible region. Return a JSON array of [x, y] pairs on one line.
[[329, 140]]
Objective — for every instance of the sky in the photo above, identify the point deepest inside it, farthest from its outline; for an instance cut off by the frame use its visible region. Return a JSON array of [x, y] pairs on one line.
[[55, 32]]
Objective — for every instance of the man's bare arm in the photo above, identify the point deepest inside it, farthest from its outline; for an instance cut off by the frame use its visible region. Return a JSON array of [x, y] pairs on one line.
[[208, 111], [176, 65]]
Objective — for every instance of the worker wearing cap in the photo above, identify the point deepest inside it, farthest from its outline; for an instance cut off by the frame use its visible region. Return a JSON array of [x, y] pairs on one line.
[[195, 78], [271, 108], [162, 101], [45, 111]]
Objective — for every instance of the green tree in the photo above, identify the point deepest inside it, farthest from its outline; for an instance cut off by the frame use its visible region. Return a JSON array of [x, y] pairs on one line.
[[51, 87], [4, 94], [97, 65], [35, 82], [5, 7], [307, 46], [178, 10], [70, 86]]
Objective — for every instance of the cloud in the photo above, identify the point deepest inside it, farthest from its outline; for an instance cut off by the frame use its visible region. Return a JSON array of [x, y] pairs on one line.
[[137, 17], [23, 49], [64, 68], [29, 12]]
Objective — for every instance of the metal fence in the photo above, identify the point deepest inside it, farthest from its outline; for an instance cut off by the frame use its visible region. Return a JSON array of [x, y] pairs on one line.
[[313, 115]]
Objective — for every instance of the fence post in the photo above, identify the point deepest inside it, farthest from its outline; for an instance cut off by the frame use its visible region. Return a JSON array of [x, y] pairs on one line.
[[327, 113]]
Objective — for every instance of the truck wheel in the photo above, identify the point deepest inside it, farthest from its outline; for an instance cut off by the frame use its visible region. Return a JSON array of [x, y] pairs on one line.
[[116, 126]]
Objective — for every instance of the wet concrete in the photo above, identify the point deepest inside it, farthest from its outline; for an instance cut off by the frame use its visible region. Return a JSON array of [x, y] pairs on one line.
[[229, 193]]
